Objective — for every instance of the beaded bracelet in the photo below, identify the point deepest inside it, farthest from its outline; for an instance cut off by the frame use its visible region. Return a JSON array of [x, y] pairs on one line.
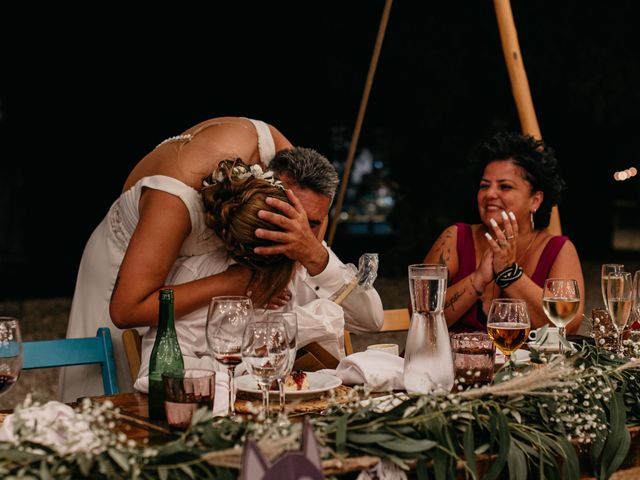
[[509, 275]]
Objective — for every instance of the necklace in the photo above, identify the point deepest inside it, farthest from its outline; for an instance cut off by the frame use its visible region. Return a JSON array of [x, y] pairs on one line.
[[526, 250]]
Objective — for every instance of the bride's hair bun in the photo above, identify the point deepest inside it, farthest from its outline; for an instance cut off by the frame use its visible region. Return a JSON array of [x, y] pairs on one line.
[[232, 197]]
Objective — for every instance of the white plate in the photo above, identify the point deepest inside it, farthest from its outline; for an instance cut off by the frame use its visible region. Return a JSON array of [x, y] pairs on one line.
[[318, 383]]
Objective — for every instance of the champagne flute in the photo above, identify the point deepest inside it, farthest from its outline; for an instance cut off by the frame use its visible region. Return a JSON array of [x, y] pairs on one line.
[[265, 352], [290, 320], [10, 353], [606, 269], [226, 320], [619, 296], [508, 324], [635, 304], [560, 302]]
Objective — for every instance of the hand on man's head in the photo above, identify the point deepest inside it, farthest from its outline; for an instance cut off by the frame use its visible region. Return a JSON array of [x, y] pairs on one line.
[[297, 238]]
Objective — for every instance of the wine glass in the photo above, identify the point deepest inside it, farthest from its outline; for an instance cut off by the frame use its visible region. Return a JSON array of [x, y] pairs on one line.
[[560, 302], [10, 353], [265, 352], [606, 269], [226, 320], [290, 320], [508, 324], [619, 296]]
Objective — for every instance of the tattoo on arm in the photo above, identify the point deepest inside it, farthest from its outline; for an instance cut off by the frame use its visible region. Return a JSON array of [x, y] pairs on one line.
[[445, 251], [451, 302]]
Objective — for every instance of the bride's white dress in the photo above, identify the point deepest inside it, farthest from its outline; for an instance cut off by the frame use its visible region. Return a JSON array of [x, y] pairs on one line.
[[101, 261]]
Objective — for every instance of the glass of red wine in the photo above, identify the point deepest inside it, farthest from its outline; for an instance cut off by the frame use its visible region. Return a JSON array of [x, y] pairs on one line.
[[10, 353], [226, 319]]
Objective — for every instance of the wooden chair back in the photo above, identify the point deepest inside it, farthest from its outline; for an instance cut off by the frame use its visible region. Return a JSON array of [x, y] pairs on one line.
[[75, 351], [395, 320], [132, 342]]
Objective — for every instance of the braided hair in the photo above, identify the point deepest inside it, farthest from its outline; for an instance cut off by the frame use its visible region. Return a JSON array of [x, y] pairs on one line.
[[232, 197]]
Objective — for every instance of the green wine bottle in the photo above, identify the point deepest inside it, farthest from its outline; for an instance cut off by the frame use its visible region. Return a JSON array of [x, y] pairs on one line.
[[166, 356]]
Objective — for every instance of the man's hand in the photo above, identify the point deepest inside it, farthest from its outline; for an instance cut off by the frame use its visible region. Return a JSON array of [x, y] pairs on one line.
[[296, 240]]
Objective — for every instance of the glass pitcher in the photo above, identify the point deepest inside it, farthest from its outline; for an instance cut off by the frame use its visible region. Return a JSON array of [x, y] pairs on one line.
[[428, 363]]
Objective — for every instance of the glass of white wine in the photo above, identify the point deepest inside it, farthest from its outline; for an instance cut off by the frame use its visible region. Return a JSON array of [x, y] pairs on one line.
[[606, 269], [561, 301], [508, 324], [620, 300]]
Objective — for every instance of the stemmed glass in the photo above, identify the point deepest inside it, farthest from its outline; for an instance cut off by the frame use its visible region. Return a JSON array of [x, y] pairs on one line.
[[605, 271], [10, 353], [265, 352], [635, 304], [226, 320], [619, 296], [560, 302], [290, 320], [508, 324]]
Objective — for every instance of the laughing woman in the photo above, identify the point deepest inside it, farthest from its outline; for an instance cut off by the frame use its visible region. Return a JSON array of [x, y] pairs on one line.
[[509, 254]]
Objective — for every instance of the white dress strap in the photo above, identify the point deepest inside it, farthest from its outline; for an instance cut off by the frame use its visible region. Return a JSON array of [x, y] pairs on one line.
[[266, 145]]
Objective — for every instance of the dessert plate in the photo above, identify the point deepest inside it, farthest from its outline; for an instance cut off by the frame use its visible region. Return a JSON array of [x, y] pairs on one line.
[[318, 384]]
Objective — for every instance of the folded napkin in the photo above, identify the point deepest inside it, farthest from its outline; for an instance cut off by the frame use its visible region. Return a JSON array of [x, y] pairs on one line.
[[380, 370]]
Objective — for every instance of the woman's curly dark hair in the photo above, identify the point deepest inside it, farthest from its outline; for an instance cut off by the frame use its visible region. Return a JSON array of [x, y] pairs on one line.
[[537, 161], [232, 200]]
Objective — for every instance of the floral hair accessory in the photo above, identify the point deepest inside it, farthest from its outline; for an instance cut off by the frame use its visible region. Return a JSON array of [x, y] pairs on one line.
[[240, 172]]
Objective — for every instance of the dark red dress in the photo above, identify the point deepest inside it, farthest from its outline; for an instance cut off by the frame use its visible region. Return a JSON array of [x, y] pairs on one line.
[[475, 319]]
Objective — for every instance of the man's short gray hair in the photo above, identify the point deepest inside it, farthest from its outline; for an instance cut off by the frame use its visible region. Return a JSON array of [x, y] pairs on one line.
[[308, 169]]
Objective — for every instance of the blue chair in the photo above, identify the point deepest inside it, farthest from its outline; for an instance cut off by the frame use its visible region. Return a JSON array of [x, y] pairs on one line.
[[75, 351]]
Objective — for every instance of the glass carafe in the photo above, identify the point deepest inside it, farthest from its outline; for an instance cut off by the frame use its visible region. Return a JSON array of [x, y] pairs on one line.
[[428, 363]]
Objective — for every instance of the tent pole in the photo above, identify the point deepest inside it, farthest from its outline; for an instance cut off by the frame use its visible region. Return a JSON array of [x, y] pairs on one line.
[[358, 127], [520, 85]]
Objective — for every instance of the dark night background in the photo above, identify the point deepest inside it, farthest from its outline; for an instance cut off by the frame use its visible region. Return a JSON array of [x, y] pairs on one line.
[[83, 100]]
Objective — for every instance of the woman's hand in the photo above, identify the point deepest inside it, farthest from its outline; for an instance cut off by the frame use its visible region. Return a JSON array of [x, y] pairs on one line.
[[504, 242], [484, 273]]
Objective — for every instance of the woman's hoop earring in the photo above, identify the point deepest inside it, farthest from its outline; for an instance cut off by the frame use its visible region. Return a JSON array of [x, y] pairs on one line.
[[533, 225]]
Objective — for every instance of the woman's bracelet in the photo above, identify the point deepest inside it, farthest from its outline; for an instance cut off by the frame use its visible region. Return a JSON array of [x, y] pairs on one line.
[[509, 275]]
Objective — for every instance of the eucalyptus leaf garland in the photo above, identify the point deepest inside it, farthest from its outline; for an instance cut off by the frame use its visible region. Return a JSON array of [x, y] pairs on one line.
[[534, 420]]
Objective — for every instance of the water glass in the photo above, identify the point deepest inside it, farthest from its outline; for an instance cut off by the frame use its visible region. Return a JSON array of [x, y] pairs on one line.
[[186, 392], [473, 358]]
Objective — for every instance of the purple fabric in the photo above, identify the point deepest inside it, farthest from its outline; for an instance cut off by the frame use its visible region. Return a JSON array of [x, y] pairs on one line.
[[474, 319]]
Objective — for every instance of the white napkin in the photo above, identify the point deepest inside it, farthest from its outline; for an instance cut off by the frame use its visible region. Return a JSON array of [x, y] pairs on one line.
[[220, 401], [380, 370], [321, 321]]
